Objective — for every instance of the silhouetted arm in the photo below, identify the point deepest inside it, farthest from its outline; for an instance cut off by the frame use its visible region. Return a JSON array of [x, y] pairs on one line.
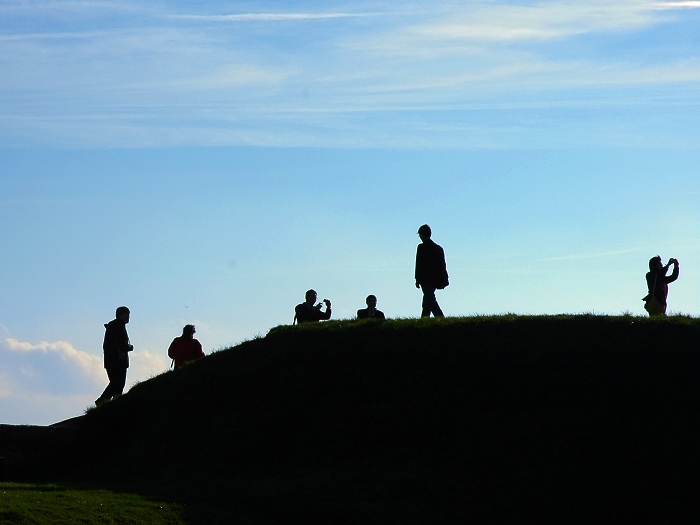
[[674, 275], [324, 316], [121, 340], [419, 265]]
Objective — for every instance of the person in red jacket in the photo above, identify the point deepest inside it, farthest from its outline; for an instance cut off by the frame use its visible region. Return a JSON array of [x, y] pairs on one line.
[[185, 348]]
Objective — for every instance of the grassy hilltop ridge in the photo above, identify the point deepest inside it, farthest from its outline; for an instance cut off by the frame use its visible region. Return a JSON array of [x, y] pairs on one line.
[[565, 418]]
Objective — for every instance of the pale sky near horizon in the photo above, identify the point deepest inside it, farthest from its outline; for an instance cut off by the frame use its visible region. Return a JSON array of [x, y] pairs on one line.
[[208, 162]]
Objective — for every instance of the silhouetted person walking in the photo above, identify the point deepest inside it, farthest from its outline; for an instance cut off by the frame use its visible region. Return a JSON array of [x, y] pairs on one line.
[[371, 311], [185, 348], [307, 312], [657, 283], [116, 347], [431, 272]]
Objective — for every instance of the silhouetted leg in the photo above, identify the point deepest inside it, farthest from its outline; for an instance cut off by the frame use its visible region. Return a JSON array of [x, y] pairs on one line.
[[430, 304], [117, 380]]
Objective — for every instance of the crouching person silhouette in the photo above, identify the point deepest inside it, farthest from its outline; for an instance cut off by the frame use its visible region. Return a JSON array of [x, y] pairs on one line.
[[371, 311], [306, 312], [185, 348], [116, 347]]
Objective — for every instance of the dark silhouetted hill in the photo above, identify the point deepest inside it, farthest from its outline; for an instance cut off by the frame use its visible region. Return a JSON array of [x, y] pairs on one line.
[[490, 419]]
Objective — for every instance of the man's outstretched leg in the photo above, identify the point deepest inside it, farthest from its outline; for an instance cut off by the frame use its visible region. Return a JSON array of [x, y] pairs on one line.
[[117, 381], [430, 304]]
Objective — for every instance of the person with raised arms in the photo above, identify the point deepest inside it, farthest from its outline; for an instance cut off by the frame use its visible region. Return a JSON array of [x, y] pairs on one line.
[[306, 312]]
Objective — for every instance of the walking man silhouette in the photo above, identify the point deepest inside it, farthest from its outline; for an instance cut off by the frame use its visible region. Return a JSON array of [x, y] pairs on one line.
[[116, 347], [431, 271]]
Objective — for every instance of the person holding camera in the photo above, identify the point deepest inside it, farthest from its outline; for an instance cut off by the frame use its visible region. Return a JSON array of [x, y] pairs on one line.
[[657, 283], [306, 312], [116, 347]]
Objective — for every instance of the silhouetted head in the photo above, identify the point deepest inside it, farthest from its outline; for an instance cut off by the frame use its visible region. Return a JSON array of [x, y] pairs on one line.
[[424, 232], [371, 301], [188, 330], [655, 264], [311, 296], [123, 313]]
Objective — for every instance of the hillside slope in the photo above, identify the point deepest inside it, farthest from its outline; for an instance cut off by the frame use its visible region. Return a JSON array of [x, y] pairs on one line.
[[563, 418]]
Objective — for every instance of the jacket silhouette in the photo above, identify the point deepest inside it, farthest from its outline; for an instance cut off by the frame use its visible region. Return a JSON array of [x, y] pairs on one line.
[[116, 345], [431, 269], [371, 311], [306, 313], [184, 349], [368, 313]]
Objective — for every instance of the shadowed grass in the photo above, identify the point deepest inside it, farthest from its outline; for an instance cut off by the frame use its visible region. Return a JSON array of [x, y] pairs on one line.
[[487, 418]]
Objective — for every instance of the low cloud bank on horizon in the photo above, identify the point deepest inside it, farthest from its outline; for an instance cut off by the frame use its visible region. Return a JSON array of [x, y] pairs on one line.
[[59, 376]]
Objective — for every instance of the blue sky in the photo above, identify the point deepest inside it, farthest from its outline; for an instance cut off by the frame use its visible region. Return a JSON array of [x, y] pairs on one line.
[[208, 162]]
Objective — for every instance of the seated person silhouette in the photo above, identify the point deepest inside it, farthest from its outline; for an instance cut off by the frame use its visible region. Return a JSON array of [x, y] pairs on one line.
[[185, 348], [371, 311], [306, 312]]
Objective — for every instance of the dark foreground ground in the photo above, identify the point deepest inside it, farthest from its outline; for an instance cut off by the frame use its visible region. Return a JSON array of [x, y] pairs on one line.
[[566, 419]]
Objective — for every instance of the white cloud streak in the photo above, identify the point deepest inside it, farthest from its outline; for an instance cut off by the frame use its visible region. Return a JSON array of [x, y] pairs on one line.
[[270, 17], [237, 76], [538, 22], [690, 4]]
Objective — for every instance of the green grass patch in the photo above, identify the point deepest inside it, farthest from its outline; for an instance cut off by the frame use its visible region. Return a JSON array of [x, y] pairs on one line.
[[39, 504]]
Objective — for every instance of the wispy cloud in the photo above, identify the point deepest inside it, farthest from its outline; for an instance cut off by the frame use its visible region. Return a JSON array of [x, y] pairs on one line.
[[689, 4], [168, 83], [537, 22], [62, 35], [236, 76], [270, 17]]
